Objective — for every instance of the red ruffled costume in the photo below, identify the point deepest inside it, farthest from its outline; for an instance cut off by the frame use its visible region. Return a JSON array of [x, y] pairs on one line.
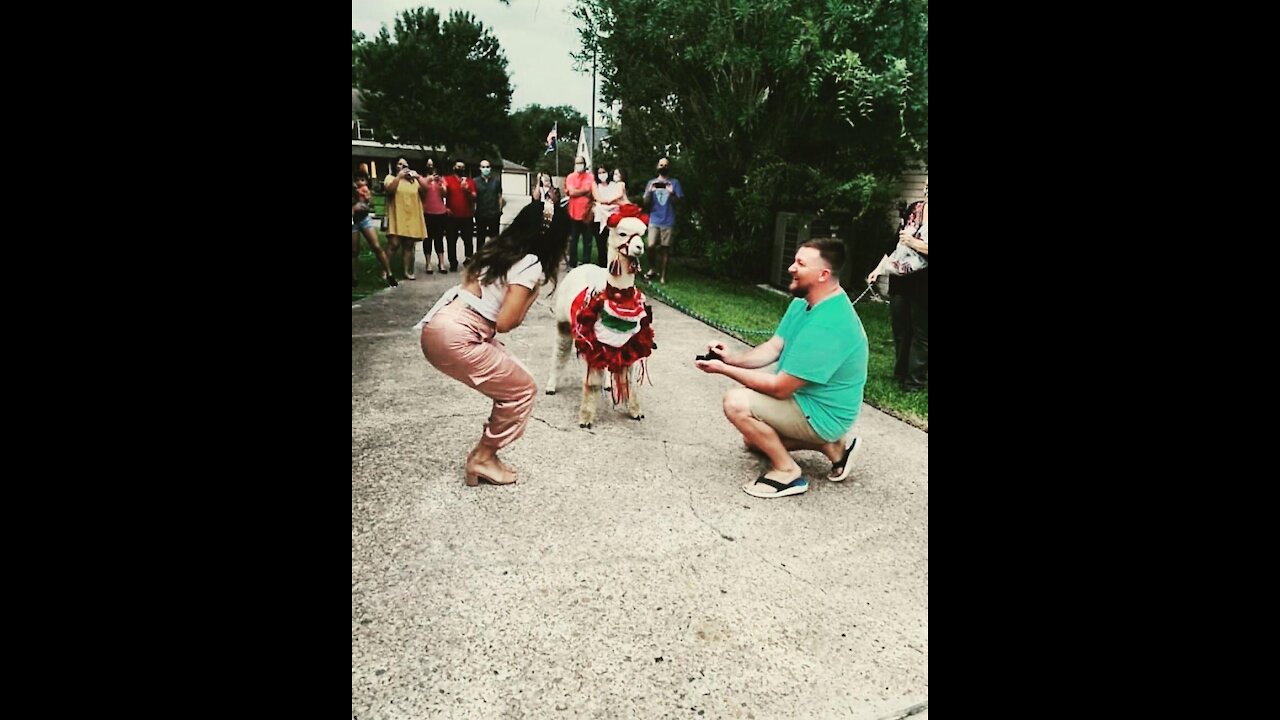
[[625, 323], [586, 310]]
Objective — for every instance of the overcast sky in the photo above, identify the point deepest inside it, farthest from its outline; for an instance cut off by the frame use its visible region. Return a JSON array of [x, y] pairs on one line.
[[536, 35]]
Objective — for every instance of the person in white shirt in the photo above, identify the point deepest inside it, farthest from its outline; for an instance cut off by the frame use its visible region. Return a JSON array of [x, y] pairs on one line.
[[458, 334], [609, 196], [909, 300]]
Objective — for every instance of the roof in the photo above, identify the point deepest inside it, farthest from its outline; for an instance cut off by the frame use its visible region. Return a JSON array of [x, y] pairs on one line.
[[390, 151]]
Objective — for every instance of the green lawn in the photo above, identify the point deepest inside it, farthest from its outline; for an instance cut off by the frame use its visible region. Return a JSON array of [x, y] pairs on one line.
[[368, 273], [751, 314]]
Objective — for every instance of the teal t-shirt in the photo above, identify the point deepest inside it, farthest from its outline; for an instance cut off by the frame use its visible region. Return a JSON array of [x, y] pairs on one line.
[[826, 347]]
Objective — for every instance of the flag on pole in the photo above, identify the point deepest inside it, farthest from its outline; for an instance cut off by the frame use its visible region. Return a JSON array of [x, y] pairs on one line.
[[551, 138], [584, 148]]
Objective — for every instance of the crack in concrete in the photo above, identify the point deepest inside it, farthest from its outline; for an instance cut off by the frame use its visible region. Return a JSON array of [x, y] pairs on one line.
[[667, 458], [561, 429]]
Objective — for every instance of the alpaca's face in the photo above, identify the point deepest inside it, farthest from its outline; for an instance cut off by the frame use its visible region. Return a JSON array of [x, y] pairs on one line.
[[629, 238]]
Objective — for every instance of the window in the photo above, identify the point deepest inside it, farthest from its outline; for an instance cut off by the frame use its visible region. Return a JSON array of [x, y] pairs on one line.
[[360, 131]]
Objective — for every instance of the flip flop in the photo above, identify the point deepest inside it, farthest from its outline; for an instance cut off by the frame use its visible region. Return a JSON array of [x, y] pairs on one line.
[[763, 487], [840, 470]]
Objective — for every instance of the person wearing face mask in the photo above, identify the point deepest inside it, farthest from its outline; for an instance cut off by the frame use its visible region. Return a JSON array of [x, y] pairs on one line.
[[609, 196], [579, 186], [436, 216], [661, 195], [460, 196], [489, 204], [405, 222]]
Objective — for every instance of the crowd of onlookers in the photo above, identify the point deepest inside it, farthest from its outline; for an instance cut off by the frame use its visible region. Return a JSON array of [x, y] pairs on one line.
[[441, 210]]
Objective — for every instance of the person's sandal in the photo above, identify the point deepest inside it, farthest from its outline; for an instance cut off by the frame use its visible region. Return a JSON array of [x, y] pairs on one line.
[[840, 470], [473, 477], [763, 487]]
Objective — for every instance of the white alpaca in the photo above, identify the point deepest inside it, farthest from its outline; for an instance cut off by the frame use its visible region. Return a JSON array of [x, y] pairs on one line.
[[614, 331]]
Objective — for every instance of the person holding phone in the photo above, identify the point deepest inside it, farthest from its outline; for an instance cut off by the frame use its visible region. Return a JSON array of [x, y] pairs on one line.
[[460, 198], [436, 216], [812, 399], [404, 213], [660, 196]]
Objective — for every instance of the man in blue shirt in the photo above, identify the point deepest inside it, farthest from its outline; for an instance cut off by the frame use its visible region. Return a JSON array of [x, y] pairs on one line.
[[660, 196], [813, 400]]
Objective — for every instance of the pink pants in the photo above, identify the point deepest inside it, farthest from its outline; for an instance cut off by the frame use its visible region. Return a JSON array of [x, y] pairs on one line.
[[460, 343]]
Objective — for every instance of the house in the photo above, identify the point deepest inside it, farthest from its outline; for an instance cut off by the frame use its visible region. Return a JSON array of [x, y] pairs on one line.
[[381, 156], [517, 183]]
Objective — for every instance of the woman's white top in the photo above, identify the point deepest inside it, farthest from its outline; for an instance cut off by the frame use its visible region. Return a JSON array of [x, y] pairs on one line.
[[614, 194], [526, 272]]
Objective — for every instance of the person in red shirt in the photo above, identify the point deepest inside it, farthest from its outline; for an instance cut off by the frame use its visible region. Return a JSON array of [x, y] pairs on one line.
[[579, 186], [460, 199]]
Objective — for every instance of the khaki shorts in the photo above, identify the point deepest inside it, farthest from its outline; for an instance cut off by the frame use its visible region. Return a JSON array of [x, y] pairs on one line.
[[659, 236], [784, 416]]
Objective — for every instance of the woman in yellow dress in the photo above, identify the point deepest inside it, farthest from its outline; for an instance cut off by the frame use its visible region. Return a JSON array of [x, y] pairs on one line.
[[405, 222]]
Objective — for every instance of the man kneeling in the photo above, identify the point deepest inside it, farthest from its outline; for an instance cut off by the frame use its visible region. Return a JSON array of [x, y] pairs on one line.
[[813, 400]]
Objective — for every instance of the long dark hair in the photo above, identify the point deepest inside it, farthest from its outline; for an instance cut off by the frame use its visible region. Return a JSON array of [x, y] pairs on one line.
[[526, 235]]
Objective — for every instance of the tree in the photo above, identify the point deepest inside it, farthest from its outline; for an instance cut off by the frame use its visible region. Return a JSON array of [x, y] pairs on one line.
[[356, 39], [432, 83], [531, 125], [765, 105]]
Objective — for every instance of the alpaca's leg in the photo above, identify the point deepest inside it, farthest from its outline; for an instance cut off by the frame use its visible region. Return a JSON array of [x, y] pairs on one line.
[[590, 393], [633, 401], [559, 353]]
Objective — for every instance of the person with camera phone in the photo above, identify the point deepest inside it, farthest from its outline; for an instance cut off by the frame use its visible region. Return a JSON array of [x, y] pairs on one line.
[[405, 222], [436, 216], [660, 196], [813, 400], [460, 200]]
